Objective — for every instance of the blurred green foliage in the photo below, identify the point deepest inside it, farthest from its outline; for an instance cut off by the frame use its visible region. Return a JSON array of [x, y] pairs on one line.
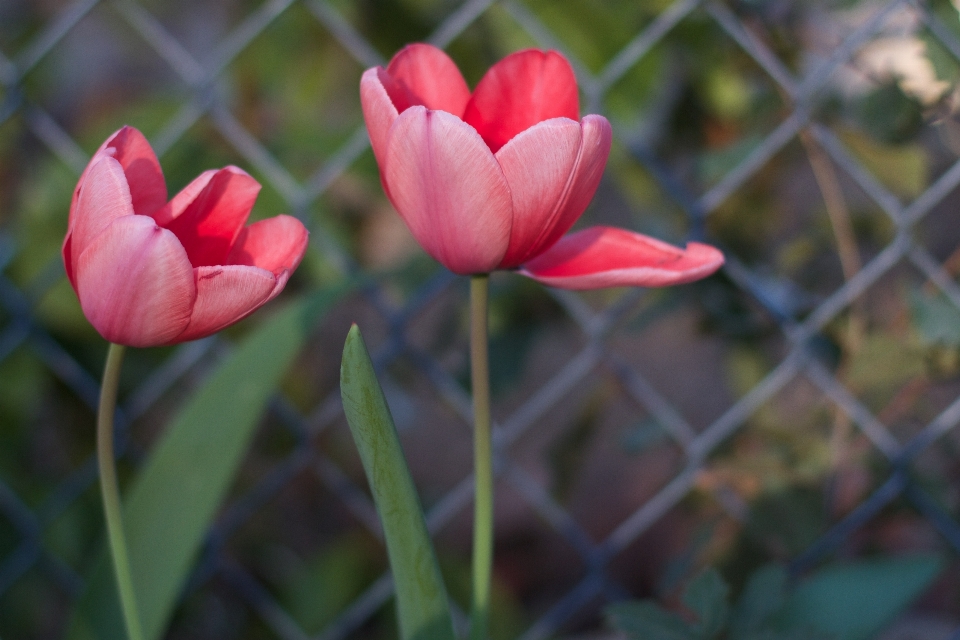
[[850, 601]]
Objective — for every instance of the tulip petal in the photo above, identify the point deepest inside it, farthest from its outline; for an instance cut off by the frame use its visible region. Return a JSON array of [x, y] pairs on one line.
[[591, 161], [147, 186], [209, 213], [538, 164], [103, 197], [449, 189], [276, 244], [135, 283], [66, 251], [601, 257], [427, 77], [148, 189], [378, 110], [521, 90], [225, 295], [179, 203]]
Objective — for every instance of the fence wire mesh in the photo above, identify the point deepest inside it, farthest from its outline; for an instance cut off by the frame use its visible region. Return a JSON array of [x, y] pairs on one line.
[[814, 383]]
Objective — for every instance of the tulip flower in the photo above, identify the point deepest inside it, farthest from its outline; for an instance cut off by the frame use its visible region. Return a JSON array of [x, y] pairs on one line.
[[494, 179], [150, 272]]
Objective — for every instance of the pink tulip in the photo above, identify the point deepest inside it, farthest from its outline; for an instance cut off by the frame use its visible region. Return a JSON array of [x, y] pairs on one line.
[[494, 179], [150, 272]]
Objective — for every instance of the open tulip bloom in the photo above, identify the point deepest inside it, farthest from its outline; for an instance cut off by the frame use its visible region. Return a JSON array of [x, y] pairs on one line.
[[150, 272], [494, 179]]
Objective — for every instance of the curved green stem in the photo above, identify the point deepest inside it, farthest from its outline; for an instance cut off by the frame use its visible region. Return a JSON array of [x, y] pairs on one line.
[[111, 493], [482, 456]]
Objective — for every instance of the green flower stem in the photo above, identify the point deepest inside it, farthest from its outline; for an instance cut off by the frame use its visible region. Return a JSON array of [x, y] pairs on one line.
[[482, 456], [110, 492]]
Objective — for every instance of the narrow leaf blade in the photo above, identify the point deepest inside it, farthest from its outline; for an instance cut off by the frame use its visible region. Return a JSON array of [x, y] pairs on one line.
[[422, 604]]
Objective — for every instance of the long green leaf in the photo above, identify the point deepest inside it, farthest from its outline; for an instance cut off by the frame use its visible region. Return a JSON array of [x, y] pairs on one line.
[[175, 497], [422, 604]]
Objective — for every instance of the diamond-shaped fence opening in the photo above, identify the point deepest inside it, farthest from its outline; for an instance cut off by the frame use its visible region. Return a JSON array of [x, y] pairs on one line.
[[800, 406]]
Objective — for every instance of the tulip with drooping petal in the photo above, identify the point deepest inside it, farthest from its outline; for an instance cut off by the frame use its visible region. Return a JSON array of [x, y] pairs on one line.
[[494, 179], [150, 272]]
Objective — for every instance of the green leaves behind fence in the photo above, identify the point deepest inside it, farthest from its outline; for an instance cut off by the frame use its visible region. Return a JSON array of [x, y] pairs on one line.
[[175, 497], [422, 605], [856, 601], [850, 601]]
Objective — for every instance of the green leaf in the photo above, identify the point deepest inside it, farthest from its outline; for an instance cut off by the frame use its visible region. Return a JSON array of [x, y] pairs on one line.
[[762, 597], [645, 620], [422, 605], [707, 598], [174, 498], [856, 601], [935, 318]]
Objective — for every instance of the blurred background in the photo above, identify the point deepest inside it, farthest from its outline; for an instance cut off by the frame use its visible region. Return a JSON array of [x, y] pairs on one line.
[[800, 406]]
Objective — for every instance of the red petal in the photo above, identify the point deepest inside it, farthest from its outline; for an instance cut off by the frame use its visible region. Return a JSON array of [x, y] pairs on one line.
[[172, 210], [103, 197], [592, 159], [378, 111], [276, 244], [421, 74], [601, 257], [66, 251], [147, 186], [135, 283], [209, 213], [521, 90], [537, 164], [449, 189], [226, 294]]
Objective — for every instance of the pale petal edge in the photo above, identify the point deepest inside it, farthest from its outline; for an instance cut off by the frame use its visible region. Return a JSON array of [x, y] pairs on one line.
[[102, 196], [129, 147], [379, 113]]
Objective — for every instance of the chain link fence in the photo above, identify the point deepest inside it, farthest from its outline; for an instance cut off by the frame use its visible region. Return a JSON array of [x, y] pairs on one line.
[[799, 406]]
